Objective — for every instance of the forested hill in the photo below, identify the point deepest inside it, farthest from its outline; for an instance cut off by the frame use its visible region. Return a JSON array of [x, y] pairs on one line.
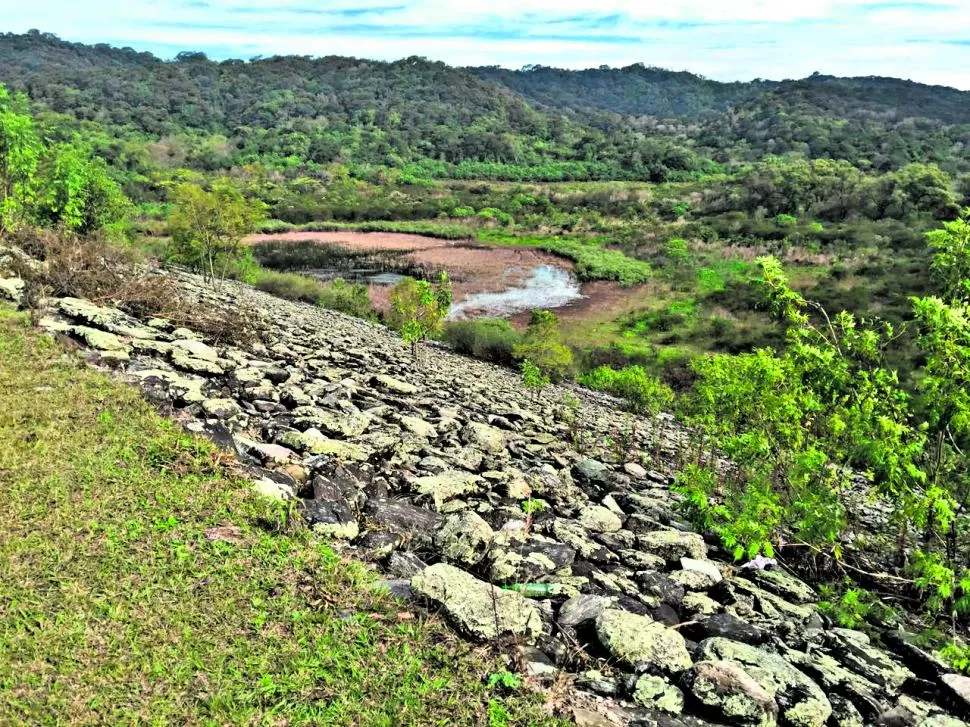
[[638, 90], [433, 120]]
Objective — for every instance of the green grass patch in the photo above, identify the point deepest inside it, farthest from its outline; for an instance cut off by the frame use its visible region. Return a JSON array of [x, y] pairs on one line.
[[140, 582], [593, 261], [428, 228]]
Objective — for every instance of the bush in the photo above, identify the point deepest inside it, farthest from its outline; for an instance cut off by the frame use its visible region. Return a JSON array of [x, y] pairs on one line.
[[489, 339], [643, 393], [290, 286], [542, 345], [350, 298]]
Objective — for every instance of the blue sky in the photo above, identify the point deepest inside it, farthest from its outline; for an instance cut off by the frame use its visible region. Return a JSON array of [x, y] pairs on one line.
[[722, 39]]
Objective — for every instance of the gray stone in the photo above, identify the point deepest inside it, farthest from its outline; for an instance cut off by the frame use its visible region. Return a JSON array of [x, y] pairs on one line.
[[800, 700], [592, 470], [419, 427], [12, 289], [220, 408], [313, 442], [673, 545], [598, 519], [186, 361], [484, 437], [393, 385], [702, 566], [727, 692], [478, 609], [447, 485], [635, 470], [640, 641], [464, 538], [583, 609], [332, 518], [655, 692], [339, 424]]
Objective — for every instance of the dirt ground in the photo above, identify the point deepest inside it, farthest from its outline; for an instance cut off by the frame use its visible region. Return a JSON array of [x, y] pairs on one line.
[[474, 268]]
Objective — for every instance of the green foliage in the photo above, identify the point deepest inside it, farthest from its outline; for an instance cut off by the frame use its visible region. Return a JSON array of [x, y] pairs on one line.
[[533, 377], [350, 298], [77, 192], [418, 308], [531, 507], [854, 608], [207, 227], [643, 393], [542, 345], [20, 150], [951, 262], [489, 339], [957, 655]]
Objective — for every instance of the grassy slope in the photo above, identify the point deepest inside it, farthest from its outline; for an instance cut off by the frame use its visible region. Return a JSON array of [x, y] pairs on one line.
[[139, 582]]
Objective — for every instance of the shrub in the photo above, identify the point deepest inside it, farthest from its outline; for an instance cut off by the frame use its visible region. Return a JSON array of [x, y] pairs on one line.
[[642, 392], [290, 286], [489, 339], [542, 345], [352, 299]]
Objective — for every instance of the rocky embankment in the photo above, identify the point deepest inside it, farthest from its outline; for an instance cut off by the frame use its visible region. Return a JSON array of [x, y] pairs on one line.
[[543, 526]]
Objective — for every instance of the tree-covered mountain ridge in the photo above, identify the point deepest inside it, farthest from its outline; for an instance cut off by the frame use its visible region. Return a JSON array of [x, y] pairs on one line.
[[538, 123]]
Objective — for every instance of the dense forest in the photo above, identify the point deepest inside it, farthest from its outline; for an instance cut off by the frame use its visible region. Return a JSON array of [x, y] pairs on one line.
[[425, 118]]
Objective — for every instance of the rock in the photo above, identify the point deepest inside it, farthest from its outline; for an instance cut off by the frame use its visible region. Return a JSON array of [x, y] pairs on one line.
[[484, 437], [583, 609], [393, 385], [405, 565], [702, 566], [186, 361], [782, 584], [339, 424], [639, 641], [956, 688], [673, 544], [536, 663], [195, 349], [273, 490], [924, 663], [655, 692], [187, 389], [314, 442], [220, 408], [419, 427], [855, 654], [728, 626], [401, 518], [478, 609], [12, 289], [100, 340], [447, 485], [699, 605], [592, 470], [726, 692], [694, 580], [635, 470], [464, 538], [665, 588], [332, 518], [598, 519], [800, 701]]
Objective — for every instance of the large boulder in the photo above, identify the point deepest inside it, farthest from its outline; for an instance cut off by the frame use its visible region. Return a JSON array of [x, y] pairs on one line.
[[726, 692], [641, 642], [800, 701], [476, 608]]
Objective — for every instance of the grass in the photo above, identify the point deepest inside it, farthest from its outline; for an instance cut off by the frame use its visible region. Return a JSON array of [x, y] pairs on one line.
[[142, 582]]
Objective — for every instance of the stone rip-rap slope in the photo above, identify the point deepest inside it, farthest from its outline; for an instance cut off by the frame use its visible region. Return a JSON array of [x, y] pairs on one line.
[[457, 483]]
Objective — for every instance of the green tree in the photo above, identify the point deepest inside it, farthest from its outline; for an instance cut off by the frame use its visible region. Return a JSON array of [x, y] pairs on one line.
[[532, 377], [207, 227], [418, 308], [76, 191], [20, 150], [542, 345], [643, 393]]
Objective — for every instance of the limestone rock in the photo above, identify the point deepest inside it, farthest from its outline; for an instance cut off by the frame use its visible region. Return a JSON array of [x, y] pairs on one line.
[[314, 442], [12, 289], [598, 519], [673, 545], [728, 693], [484, 437], [419, 426], [655, 692], [447, 485], [800, 701], [464, 538], [639, 640], [478, 609], [393, 385], [220, 408]]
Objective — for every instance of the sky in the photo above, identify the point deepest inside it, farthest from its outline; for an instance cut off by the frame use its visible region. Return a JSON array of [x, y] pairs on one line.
[[927, 41]]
